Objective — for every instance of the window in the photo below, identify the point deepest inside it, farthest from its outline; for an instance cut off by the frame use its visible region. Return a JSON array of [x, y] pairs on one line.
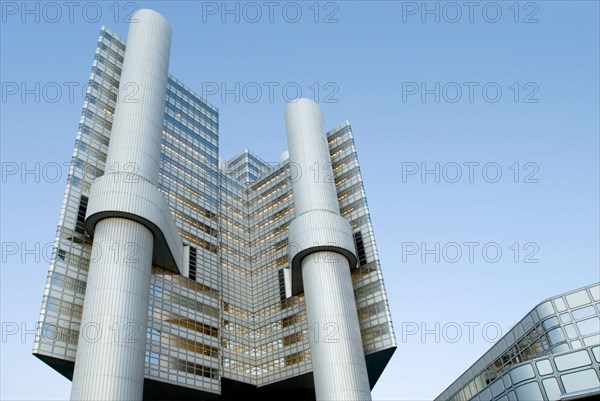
[[192, 266], [360, 248], [80, 223]]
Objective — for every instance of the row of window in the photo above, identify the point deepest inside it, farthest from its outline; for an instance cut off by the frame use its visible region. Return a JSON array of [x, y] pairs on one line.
[[68, 283], [117, 42], [187, 120], [175, 319], [171, 124], [63, 307], [176, 279], [181, 300], [155, 359], [73, 260], [200, 104]]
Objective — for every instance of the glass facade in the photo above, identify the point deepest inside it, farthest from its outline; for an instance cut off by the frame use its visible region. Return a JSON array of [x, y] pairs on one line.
[[551, 352], [230, 314]]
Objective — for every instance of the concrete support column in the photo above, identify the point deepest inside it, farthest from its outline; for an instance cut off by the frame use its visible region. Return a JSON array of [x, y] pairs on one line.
[[110, 354], [322, 251]]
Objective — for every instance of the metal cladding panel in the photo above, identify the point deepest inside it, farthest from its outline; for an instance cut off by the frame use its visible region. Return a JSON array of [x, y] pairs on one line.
[[338, 360], [136, 131], [315, 231], [126, 195], [112, 340], [313, 184]]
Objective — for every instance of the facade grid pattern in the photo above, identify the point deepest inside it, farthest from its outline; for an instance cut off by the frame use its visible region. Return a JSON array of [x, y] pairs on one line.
[[231, 314], [563, 328]]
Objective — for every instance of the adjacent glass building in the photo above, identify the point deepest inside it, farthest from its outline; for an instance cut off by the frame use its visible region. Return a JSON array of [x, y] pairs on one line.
[[175, 274], [553, 353]]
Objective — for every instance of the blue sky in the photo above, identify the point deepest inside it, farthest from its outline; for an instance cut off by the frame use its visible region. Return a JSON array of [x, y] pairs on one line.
[[504, 87]]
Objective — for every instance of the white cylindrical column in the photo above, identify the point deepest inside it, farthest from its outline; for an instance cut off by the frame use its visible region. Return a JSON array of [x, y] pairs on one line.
[[338, 360], [321, 247], [112, 340], [136, 133], [110, 354], [314, 187]]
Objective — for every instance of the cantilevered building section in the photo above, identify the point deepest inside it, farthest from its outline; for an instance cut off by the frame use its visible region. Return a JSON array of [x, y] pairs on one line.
[[553, 353], [179, 275]]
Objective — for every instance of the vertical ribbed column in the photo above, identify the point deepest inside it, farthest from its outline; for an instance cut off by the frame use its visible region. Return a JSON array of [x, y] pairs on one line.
[[137, 127], [338, 360], [110, 354], [112, 340]]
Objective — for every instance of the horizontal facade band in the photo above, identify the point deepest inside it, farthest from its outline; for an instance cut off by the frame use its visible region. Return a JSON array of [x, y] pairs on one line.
[[131, 196], [315, 231]]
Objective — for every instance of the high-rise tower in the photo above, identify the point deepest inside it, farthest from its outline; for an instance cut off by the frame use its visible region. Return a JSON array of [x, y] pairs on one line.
[[179, 275]]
